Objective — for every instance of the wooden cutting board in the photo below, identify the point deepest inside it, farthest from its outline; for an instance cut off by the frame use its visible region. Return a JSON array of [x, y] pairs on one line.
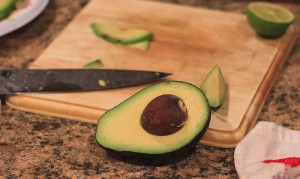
[[187, 42]]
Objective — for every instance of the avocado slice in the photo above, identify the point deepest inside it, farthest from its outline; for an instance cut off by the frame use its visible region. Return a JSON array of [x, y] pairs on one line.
[[120, 129], [214, 87], [144, 45], [115, 34], [5, 7], [94, 64]]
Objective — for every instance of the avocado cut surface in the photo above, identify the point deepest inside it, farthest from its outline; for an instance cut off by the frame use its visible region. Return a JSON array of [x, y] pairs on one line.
[[5, 8], [214, 87], [144, 45], [119, 129], [115, 34], [94, 64]]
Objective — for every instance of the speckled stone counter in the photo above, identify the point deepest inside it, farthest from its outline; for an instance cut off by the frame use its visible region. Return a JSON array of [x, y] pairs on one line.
[[38, 146]]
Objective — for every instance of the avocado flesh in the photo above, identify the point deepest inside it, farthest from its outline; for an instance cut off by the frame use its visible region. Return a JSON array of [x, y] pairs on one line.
[[214, 87], [144, 45], [94, 64], [119, 129], [116, 34], [5, 8]]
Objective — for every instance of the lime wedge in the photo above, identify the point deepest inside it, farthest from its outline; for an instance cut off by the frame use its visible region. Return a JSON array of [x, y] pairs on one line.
[[268, 19]]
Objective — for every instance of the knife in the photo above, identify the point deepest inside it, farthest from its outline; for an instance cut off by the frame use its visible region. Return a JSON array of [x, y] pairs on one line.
[[72, 80]]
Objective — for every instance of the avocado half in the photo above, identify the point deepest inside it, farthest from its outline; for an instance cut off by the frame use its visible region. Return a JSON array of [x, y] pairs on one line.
[[119, 130]]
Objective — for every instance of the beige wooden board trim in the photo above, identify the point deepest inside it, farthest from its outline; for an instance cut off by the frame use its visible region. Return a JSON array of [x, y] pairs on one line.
[[232, 138], [187, 42]]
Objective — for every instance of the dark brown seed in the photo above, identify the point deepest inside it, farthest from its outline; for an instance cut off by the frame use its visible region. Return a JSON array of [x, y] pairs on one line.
[[164, 115]]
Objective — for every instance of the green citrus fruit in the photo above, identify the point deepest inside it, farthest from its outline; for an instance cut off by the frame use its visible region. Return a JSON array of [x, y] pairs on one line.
[[268, 19]]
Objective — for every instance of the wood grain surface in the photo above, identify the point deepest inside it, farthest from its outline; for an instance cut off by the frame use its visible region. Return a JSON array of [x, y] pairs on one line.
[[187, 42]]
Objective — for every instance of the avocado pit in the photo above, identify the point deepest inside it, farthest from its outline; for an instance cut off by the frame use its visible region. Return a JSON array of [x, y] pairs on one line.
[[164, 115]]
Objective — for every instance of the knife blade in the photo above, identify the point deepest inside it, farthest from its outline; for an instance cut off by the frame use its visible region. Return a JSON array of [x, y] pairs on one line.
[[72, 80]]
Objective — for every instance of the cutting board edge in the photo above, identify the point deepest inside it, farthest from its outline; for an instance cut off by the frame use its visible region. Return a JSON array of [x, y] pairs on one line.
[[37, 105], [250, 118]]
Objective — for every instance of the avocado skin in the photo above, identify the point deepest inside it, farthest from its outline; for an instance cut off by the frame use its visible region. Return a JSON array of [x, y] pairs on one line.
[[158, 159]]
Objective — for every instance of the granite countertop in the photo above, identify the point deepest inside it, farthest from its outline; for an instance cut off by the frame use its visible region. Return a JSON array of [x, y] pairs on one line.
[[33, 145]]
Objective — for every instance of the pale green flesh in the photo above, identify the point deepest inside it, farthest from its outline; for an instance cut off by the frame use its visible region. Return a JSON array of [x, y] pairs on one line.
[[272, 12], [116, 34], [5, 7], [214, 87], [144, 46], [119, 128], [94, 64]]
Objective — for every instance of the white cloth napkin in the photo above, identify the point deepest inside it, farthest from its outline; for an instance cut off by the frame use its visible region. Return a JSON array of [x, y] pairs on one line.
[[268, 151]]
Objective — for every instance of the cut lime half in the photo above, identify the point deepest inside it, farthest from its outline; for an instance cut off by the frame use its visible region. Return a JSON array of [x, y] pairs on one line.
[[269, 20]]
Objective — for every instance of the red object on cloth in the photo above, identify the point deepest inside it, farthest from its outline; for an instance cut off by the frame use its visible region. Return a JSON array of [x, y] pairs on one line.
[[278, 156], [291, 161]]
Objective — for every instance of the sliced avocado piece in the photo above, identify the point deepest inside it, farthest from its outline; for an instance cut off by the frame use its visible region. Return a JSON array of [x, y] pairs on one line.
[[115, 34], [94, 64], [5, 7], [214, 87], [144, 45], [99, 32], [164, 119]]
